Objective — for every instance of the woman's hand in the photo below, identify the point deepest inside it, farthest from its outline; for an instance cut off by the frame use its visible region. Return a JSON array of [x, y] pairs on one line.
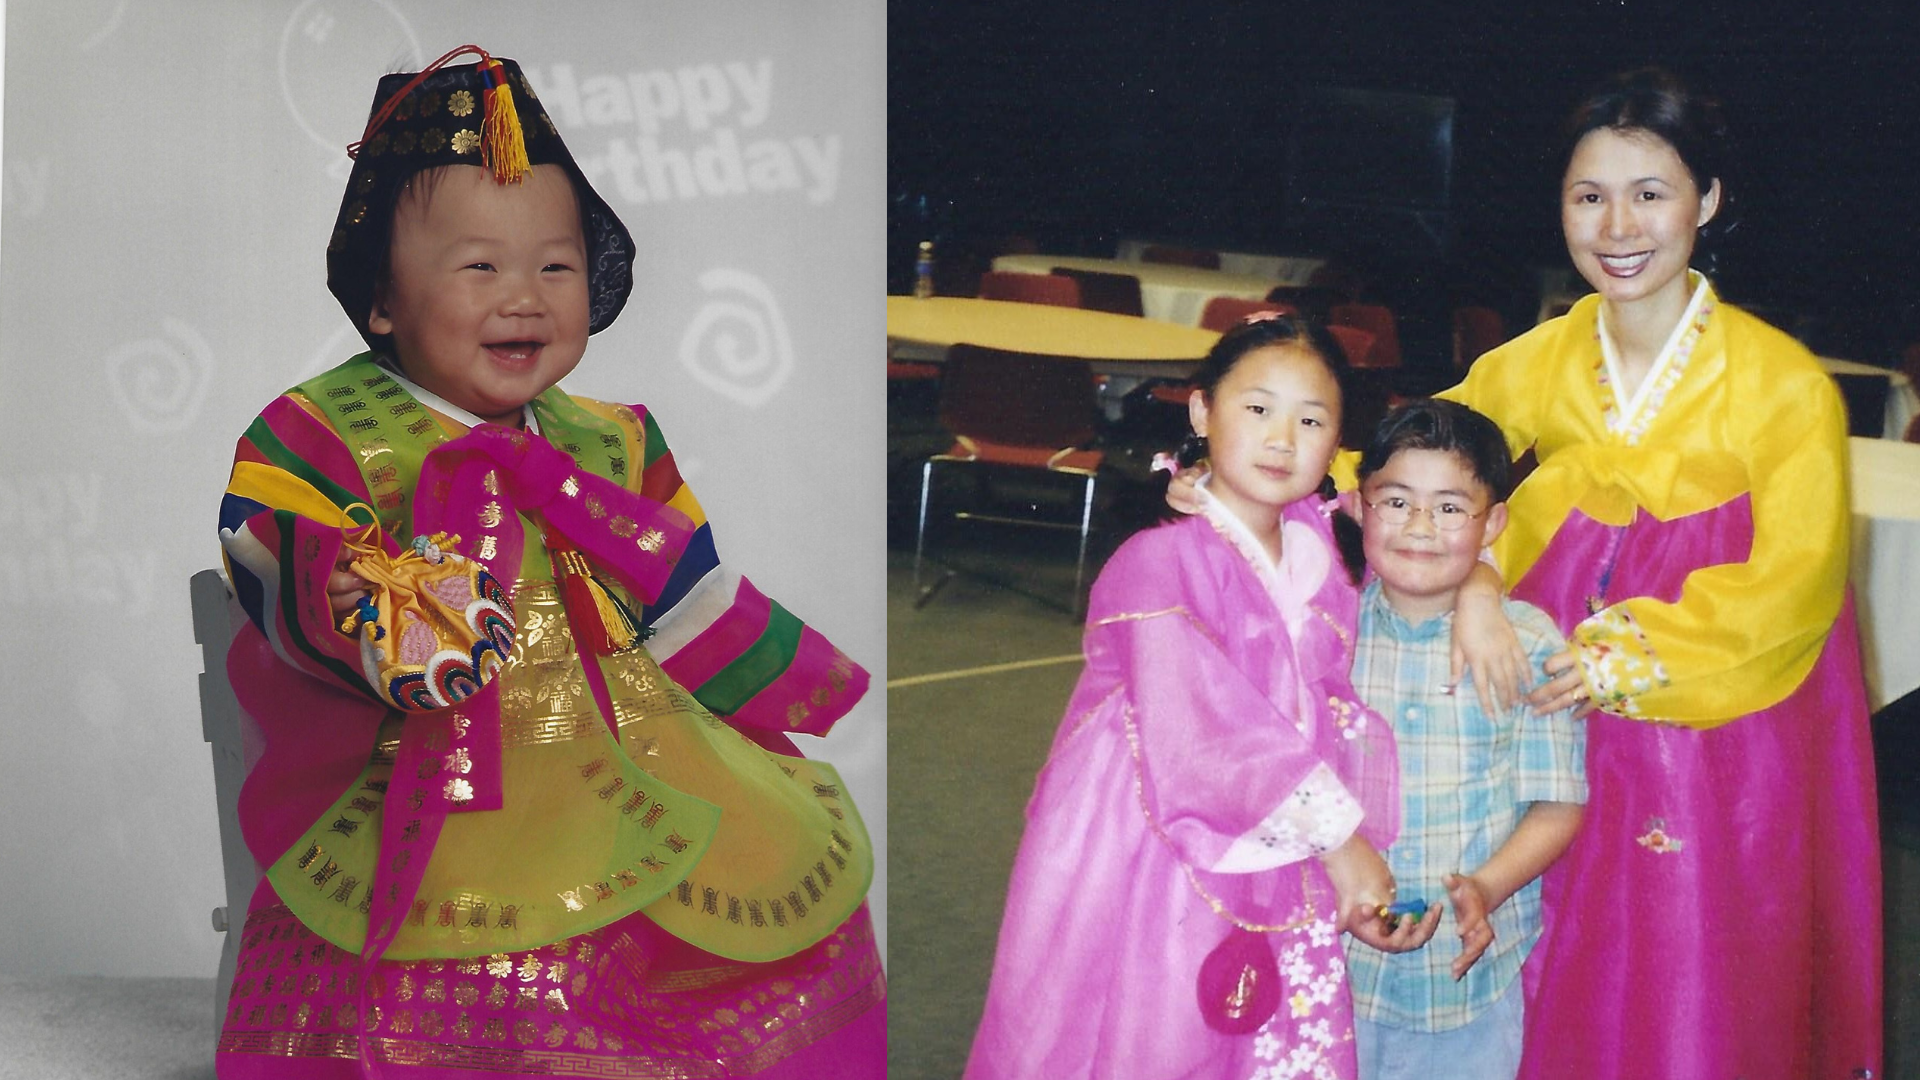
[[1485, 645], [1361, 881], [1183, 494], [1564, 688]]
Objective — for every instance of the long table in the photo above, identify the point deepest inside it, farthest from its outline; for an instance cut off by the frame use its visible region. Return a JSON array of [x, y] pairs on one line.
[[1886, 564], [1122, 345], [1168, 293]]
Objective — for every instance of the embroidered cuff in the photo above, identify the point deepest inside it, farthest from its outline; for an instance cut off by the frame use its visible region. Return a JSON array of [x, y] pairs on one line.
[[1315, 818], [1618, 661]]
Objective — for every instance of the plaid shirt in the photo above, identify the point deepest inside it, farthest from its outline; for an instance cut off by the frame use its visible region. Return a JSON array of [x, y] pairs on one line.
[[1465, 780]]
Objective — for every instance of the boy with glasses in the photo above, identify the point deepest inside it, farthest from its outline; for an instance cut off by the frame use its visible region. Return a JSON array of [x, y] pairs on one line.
[[1488, 801]]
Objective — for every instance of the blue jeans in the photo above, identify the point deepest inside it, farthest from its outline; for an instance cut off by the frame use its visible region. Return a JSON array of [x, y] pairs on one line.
[[1486, 1049]]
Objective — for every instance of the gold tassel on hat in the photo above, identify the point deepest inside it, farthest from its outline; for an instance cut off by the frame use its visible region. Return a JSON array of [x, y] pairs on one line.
[[503, 145]]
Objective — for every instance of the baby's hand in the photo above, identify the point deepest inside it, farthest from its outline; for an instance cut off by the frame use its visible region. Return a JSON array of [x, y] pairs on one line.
[[1470, 910], [1183, 494], [344, 587]]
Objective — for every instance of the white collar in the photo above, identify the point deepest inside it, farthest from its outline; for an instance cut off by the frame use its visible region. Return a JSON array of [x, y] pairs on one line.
[[1304, 560], [1627, 410], [442, 405]]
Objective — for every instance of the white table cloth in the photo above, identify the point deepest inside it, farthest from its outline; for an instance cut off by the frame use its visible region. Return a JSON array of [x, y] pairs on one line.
[[1886, 564]]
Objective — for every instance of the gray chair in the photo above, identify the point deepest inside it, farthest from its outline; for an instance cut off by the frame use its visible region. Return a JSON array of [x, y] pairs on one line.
[[216, 618]]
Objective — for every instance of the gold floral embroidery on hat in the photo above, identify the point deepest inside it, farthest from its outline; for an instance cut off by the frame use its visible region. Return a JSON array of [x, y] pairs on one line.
[[364, 184], [404, 110], [356, 213], [404, 142], [377, 145], [460, 103], [464, 141], [431, 140], [428, 103]]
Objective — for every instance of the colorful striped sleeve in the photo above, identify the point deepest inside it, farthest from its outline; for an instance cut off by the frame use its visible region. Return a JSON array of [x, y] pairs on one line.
[[292, 485], [745, 657]]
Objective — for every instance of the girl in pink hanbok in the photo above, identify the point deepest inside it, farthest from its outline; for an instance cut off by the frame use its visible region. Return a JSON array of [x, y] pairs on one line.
[[1719, 913], [1210, 816]]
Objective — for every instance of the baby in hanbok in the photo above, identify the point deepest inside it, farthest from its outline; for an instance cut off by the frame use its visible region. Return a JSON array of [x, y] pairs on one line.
[[526, 798], [1210, 818]]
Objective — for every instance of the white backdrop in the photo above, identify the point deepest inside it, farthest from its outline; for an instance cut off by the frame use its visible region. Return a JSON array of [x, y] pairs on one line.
[[171, 173]]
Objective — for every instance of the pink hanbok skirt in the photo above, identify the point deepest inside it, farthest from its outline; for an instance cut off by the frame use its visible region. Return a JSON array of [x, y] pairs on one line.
[[627, 1000], [1718, 915]]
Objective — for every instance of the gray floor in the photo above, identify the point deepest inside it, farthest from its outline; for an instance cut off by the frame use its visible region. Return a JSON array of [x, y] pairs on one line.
[[89, 1028], [963, 752]]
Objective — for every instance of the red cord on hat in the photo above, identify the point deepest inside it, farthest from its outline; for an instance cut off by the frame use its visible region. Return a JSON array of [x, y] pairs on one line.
[[503, 148]]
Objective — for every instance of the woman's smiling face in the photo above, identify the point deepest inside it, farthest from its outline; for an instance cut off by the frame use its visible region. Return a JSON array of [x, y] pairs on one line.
[[1631, 210]]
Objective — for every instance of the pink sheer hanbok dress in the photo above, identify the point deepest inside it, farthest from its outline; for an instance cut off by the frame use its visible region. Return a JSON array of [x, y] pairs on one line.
[[1212, 748]]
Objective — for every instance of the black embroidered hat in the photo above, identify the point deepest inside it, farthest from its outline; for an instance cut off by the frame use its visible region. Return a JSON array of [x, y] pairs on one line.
[[481, 114]]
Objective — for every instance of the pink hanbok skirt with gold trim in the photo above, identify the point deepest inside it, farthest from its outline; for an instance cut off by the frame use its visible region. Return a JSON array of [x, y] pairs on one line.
[[627, 1001]]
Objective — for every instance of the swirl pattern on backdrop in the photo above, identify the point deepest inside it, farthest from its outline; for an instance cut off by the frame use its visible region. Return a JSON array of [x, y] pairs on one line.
[[160, 384], [737, 344]]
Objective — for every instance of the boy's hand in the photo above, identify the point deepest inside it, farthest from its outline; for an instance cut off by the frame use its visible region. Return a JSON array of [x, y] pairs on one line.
[[1564, 688], [1485, 644], [1470, 910], [1361, 881], [1406, 936], [1183, 494]]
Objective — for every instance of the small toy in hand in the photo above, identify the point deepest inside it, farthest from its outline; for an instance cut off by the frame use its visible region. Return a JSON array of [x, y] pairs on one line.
[[1391, 914]]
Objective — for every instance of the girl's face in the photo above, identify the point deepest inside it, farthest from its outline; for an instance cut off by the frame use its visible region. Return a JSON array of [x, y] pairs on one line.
[[486, 291], [1272, 428], [1630, 210]]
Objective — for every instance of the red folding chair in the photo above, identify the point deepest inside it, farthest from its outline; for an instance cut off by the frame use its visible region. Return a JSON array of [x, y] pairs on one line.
[[1355, 342], [1475, 331], [1021, 413], [1375, 320], [1222, 312], [1030, 288], [1101, 291]]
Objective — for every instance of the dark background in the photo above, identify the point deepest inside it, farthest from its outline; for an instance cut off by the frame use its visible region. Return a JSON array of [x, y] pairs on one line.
[[1078, 124]]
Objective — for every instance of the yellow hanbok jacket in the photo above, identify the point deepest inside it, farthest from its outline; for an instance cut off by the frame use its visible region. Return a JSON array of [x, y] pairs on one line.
[[1734, 408]]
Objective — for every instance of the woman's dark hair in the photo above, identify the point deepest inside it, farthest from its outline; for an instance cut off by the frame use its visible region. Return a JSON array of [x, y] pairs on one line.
[[1259, 332], [1656, 101], [1435, 424]]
